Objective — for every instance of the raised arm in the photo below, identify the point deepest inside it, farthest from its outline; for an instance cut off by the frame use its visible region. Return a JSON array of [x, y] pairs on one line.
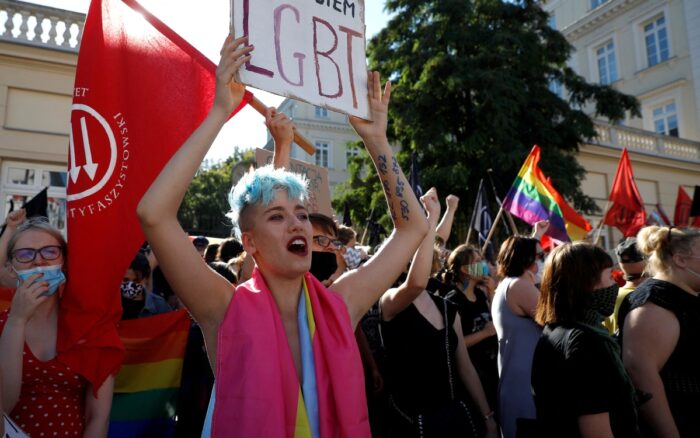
[[362, 287], [12, 221], [445, 227], [282, 130], [205, 293], [394, 301]]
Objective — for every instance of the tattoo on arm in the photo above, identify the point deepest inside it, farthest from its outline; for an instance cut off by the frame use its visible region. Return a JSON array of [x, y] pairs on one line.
[[395, 165], [382, 164], [399, 188], [387, 188], [404, 209]]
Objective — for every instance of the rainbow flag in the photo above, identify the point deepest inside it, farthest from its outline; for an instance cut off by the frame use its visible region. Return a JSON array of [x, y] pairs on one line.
[[532, 198], [146, 388]]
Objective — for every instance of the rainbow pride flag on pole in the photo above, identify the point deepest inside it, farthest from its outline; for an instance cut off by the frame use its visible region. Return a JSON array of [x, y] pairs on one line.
[[532, 198], [146, 388]]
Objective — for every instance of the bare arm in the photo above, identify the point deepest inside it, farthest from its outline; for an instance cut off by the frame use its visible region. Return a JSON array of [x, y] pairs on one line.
[[649, 337], [97, 409], [470, 379], [595, 426], [360, 288], [13, 220], [476, 337], [444, 228], [522, 297], [394, 301], [205, 293], [282, 131], [25, 301]]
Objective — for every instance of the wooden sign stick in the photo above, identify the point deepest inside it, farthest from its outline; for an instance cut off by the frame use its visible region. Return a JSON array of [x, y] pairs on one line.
[[299, 139]]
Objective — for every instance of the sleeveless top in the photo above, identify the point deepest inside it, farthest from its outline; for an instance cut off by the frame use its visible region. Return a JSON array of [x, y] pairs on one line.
[[429, 383], [517, 339], [52, 397], [681, 372]]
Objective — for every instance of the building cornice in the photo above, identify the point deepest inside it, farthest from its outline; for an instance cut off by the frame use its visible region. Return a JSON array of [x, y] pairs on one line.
[[597, 17]]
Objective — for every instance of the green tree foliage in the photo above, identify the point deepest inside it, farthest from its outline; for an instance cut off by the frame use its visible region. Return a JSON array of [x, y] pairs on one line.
[[471, 91], [203, 210]]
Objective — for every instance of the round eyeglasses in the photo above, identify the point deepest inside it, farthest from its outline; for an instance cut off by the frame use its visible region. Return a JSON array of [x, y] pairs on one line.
[[27, 255]]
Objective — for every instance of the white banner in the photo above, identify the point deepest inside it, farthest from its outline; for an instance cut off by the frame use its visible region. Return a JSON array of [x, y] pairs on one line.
[[311, 50]]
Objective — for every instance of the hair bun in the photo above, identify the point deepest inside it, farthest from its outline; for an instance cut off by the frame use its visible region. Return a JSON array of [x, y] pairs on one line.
[[652, 239]]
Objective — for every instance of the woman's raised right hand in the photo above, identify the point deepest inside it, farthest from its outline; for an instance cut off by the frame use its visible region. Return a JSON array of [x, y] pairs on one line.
[[28, 296]]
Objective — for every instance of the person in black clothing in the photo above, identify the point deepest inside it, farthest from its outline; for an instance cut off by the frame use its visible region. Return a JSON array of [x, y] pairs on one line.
[[579, 384], [433, 386], [660, 332], [471, 290]]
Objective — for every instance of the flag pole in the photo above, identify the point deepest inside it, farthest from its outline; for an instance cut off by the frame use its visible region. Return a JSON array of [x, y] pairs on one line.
[[508, 220], [364, 233], [487, 242], [599, 228], [471, 222]]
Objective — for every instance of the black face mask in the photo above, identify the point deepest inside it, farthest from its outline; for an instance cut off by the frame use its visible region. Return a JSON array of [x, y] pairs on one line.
[[323, 264]]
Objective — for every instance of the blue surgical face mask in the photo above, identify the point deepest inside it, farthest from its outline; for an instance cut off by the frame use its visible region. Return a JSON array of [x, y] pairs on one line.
[[52, 274]]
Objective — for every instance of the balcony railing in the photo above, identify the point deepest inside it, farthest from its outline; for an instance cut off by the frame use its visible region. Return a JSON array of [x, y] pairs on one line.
[[40, 26], [646, 142]]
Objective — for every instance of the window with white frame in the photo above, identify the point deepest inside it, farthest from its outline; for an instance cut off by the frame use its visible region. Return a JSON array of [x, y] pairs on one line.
[[607, 67], [665, 119], [321, 113], [656, 41], [596, 3], [349, 154], [22, 181], [322, 151]]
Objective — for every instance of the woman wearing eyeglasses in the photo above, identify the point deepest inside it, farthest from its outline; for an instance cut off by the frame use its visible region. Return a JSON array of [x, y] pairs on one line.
[[42, 394], [513, 311], [327, 264]]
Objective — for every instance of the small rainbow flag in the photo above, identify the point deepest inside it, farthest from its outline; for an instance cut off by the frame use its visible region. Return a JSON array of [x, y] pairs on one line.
[[532, 198], [146, 388]]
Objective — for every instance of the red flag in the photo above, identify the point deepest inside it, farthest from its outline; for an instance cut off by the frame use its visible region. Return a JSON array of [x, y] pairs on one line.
[[627, 211], [681, 215], [140, 91]]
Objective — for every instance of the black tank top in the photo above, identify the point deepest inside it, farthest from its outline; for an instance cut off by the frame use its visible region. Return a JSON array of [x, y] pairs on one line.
[[681, 373], [421, 360]]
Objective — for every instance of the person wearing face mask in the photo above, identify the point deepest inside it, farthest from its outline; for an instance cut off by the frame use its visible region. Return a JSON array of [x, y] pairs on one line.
[[40, 392], [661, 332], [471, 287], [579, 384], [513, 310], [632, 263], [327, 264], [133, 289]]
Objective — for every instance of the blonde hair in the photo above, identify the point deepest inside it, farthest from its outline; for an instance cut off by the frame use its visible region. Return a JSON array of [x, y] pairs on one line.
[[661, 243]]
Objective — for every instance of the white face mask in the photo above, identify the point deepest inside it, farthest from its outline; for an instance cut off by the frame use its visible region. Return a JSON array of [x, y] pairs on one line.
[[540, 269]]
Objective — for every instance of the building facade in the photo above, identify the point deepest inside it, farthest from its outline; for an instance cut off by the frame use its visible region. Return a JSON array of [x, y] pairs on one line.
[[649, 49], [38, 57]]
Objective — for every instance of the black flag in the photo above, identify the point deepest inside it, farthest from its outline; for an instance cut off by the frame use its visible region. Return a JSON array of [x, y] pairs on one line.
[[38, 205], [695, 208], [413, 178], [481, 218]]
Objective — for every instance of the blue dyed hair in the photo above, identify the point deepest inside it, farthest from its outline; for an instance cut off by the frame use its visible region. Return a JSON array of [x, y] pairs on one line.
[[260, 187]]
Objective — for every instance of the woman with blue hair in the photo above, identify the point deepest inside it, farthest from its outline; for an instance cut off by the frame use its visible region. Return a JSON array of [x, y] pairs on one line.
[[281, 344]]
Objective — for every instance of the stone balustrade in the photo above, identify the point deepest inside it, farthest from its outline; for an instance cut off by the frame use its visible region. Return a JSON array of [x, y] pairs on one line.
[[646, 142], [40, 26]]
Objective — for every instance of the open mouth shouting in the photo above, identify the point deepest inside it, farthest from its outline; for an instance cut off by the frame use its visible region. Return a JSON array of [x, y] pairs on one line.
[[298, 246]]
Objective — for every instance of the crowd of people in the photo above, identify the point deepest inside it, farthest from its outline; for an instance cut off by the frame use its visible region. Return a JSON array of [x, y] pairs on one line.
[[300, 331]]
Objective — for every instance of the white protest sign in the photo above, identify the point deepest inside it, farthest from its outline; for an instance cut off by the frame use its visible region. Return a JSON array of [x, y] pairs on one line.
[[311, 50], [12, 430]]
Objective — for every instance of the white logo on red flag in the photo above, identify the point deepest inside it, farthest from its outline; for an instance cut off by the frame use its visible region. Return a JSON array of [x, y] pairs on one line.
[[98, 160]]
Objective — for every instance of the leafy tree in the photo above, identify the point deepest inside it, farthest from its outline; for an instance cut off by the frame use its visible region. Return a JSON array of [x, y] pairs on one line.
[[203, 210], [472, 91]]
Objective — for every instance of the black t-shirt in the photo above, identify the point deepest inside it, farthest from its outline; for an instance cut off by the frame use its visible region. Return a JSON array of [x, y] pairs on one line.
[[575, 374]]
